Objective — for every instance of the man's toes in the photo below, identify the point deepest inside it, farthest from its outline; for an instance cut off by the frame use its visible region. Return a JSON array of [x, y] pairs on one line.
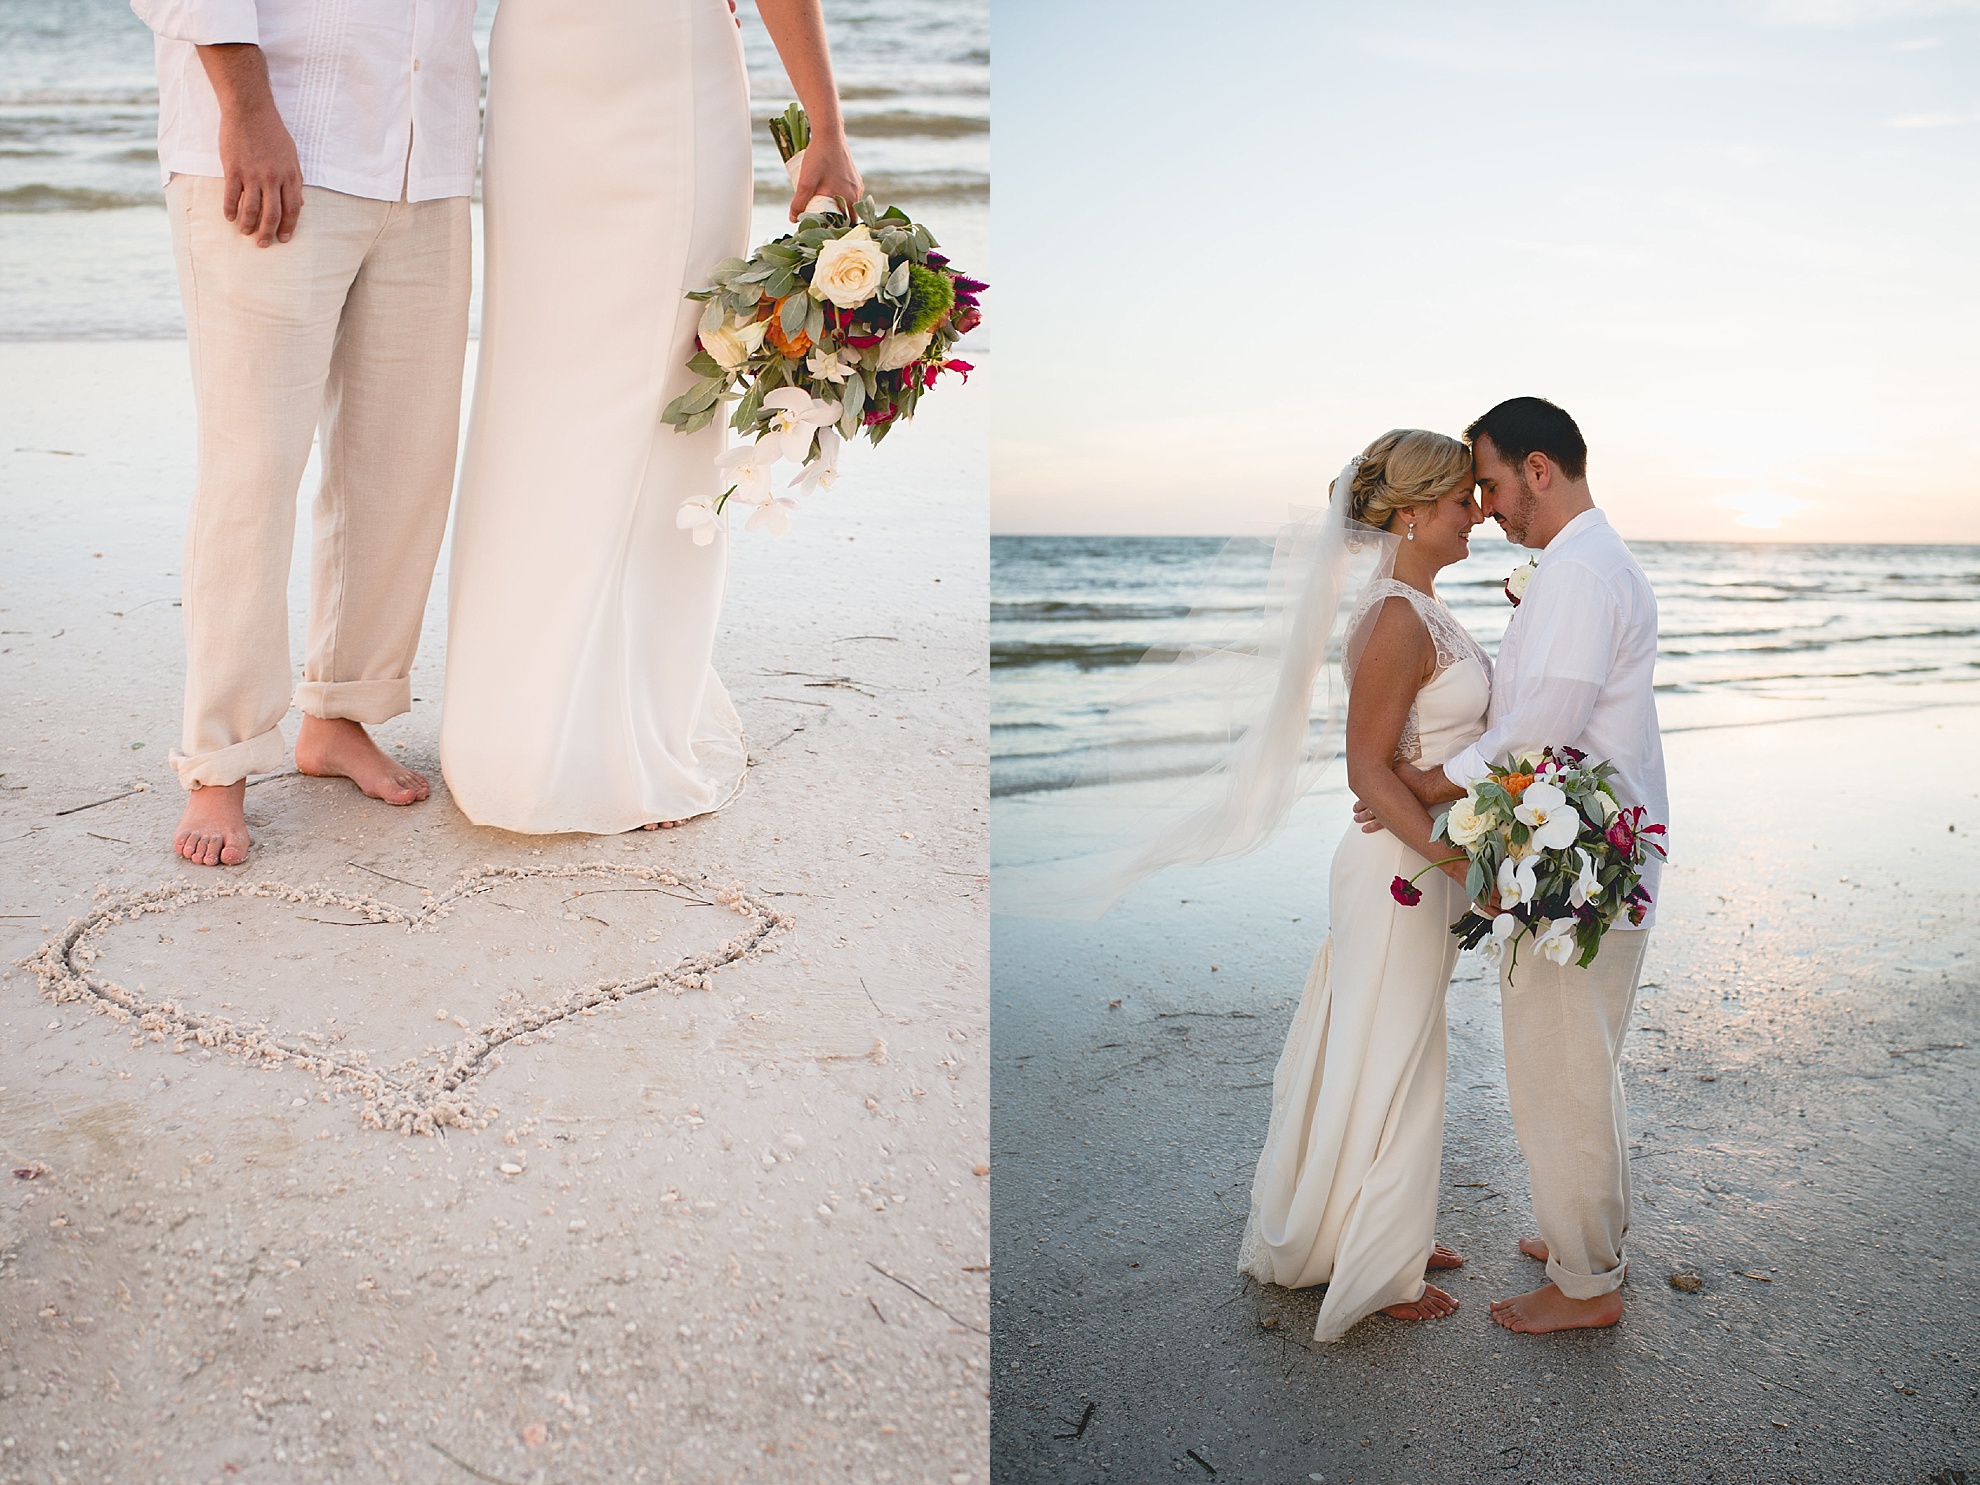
[[1534, 1247], [234, 851]]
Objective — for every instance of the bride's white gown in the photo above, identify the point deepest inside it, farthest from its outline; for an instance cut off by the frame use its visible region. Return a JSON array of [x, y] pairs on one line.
[[580, 691], [1346, 1189]]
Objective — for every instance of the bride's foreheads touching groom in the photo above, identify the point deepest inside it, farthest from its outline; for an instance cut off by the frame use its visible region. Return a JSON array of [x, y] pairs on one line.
[[319, 161]]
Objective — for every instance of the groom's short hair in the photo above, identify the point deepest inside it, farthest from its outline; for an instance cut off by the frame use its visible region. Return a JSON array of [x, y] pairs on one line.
[[1532, 425]]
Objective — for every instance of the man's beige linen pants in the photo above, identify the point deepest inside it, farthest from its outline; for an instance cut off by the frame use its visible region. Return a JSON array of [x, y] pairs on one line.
[[1564, 1038], [358, 325]]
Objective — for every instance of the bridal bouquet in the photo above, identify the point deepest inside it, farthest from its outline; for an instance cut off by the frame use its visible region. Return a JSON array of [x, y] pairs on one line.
[[835, 330], [1566, 858]]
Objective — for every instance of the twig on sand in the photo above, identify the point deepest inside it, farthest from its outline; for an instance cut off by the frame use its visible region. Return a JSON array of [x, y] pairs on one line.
[[876, 1310], [463, 1464], [77, 809], [388, 876], [966, 1325], [1079, 1427], [1212, 1015], [287, 773], [340, 923], [113, 839], [1200, 1460], [894, 637], [869, 997]]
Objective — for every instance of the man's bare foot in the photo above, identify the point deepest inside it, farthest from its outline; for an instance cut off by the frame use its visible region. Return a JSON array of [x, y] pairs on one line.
[[1442, 1257], [337, 748], [1547, 1309], [1535, 1248], [213, 830], [1434, 1305]]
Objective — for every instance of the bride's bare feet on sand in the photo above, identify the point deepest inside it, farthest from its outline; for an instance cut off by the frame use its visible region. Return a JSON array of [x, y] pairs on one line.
[[1442, 1257], [663, 825], [1547, 1309], [1434, 1305], [213, 830], [337, 748]]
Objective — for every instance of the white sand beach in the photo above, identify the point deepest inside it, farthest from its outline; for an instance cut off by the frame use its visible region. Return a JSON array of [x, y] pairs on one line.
[[727, 1222], [1801, 1074]]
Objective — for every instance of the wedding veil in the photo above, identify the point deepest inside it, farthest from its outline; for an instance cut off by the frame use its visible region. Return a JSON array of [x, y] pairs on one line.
[[1258, 696]]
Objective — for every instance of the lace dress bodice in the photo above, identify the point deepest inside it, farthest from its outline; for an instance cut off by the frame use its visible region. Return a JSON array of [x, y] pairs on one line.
[[1448, 714]]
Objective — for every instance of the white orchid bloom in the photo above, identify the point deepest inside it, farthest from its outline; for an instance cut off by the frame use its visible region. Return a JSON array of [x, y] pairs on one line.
[[823, 472], [1556, 940], [794, 415], [773, 516], [1504, 926], [1587, 885], [699, 517], [748, 467], [1518, 882], [1545, 810], [830, 366]]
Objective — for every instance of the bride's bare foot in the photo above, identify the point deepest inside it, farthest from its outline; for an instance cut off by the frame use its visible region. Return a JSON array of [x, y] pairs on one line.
[[663, 825], [1547, 1309], [1534, 1248], [337, 748], [213, 830], [1442, 1257], [1434, 1305]]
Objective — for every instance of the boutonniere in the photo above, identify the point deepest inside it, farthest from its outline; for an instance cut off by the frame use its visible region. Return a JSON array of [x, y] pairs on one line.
[[1518, 578]]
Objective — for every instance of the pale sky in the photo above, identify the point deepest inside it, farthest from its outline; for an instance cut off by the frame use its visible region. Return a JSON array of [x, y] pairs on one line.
[[1739, 240]]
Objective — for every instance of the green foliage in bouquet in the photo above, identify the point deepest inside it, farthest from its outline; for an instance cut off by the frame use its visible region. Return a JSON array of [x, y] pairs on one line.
[[860, 310]]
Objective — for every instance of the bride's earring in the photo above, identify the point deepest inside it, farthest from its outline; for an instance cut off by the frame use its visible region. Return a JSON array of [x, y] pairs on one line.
[[1411, 534]]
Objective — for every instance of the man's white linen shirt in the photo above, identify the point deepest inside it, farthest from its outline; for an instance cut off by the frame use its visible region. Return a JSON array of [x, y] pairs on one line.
[[1577, 666], [383, 97]]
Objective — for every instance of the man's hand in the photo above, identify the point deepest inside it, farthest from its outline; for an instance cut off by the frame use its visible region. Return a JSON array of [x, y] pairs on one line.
[[1429, 785], [264, 185]]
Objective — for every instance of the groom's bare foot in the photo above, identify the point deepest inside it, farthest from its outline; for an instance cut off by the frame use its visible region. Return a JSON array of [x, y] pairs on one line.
[[1442, 1257], [1547, 1309], [337, 748], [1434, 1305], [1535, 1248], [213, 830]]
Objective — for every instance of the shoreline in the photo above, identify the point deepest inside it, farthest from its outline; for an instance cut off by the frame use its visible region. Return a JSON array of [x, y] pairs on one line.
[[1800, 1076], [689, 1243]]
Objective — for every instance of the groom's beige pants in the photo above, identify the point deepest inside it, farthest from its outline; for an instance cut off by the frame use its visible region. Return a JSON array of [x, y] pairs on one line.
[[356, 326], [1564, 1032]]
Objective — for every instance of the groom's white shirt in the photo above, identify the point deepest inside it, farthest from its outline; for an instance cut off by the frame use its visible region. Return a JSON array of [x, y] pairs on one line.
[[1576, 667], [383, 97]]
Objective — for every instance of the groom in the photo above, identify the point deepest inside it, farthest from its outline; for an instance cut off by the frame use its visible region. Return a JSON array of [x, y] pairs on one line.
[[1575, 667], [318, 157]]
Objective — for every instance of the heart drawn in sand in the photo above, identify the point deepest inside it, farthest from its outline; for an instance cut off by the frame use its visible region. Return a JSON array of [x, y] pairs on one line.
[[417, 1096]]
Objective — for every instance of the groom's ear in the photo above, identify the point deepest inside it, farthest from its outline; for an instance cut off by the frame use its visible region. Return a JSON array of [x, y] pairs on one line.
[[1540, 472]]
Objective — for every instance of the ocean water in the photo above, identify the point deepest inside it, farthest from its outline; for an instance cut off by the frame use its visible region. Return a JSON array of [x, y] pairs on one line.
[[1748, 633], [84, 247]]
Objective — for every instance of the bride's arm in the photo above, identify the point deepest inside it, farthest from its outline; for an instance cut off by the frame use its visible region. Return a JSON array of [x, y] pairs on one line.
[[797, 27], [1399, 658]]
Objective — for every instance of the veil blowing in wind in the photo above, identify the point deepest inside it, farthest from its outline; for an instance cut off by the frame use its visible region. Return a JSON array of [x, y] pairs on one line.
[[1270, 699]]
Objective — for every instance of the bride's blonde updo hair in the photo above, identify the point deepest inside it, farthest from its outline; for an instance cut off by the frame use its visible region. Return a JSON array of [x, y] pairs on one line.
[[1405, 466]]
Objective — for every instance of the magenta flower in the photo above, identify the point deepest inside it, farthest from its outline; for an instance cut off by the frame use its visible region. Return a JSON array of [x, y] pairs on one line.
[[1405, 892]]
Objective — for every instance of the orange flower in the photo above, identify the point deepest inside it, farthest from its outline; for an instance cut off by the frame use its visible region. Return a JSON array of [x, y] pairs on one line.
[[793, 346], [1514, 784]]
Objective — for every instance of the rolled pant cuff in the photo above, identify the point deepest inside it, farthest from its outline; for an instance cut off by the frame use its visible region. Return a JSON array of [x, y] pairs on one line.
[[1586, 1286], [229, 765], [355, 701]]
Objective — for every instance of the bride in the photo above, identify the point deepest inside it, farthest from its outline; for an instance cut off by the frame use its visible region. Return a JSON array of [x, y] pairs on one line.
[[1346, 1189], [580, 692]]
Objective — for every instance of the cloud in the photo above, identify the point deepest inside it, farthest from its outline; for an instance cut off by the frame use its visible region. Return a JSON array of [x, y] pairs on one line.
[[1837, 15], [1763, 510], [1931, 120]]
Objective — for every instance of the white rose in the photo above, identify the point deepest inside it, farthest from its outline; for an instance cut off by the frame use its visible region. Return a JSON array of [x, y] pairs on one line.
[[897, 351], [850, 269], [1516, 582], [733, 343], [1465, 827]]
